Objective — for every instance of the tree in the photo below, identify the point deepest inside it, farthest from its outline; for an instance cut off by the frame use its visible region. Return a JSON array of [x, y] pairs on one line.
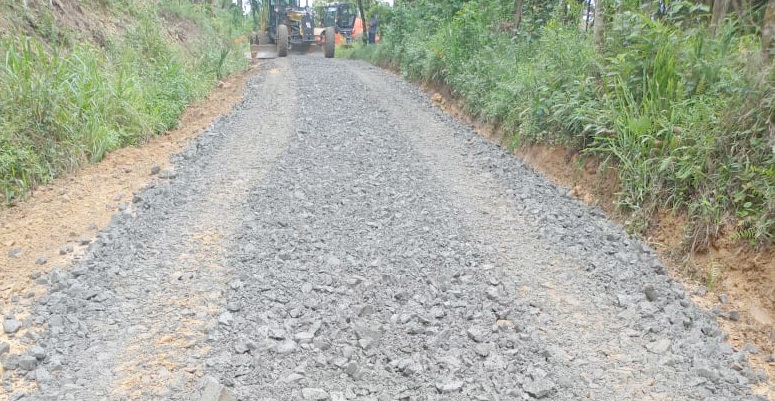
[[599, 25], [363, 18], [719, 12], [768, 30], [518, 6]]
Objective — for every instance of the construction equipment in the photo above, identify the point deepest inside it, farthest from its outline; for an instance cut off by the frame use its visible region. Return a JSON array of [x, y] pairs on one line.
[[344, 20], [287, 26]]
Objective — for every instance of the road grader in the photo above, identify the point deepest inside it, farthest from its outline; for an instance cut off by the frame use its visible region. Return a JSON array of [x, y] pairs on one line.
[[286, 25]]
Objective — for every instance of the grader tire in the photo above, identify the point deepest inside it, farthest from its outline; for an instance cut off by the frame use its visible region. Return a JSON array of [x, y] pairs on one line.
[[282, 40], [329, 47]]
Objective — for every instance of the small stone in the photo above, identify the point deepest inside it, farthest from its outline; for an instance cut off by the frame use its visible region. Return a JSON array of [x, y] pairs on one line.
[[28, 362], [723, 298], [277, 334], [365, 310], [212, 390], [351, 369], [538, 388], [651, 293], [83, 241], [42, 378], [38, 352], [241, 347], [474, 334], [41, 260], [292, 378], [452, 386], [65, 249], [366, 343], [482, 350], [734, 316], [304, 337], [285, 347], [321, 344], [4, 348], [14, 252], [659, 347], [11, 326], [155, 170], [225, 318], [314, 394]]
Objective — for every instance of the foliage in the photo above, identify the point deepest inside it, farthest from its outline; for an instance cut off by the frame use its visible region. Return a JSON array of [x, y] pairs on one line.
[[685, 116], [69, 101]]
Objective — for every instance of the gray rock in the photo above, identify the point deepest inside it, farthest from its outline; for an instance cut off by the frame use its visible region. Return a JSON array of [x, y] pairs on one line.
[[285, 347], [155, 170], [38, 352], [212, 390], [225, 318], [292, 378], [4, 348], [11, 326], [41, 260], [303, 337], [352, 369], [538, 388], [650, 292], [475, 334], [449, 386], [483, 350], [15, 252], [27, 362], [659, 347], [723, 298], [734, 316], [43, 379], [314, 394], [241, 347], [65, 249]]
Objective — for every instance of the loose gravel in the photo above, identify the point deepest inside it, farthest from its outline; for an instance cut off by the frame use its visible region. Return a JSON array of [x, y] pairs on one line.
[[338, 238]]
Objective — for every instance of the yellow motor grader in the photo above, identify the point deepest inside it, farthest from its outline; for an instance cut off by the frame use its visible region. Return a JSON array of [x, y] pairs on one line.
[[289, 26]]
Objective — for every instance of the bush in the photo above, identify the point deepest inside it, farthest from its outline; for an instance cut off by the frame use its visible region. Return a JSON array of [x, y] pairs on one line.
[[684, 116]]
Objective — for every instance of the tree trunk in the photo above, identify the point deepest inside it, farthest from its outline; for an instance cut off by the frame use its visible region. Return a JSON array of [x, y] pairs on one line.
[[768, 30], [719, 12], [598, 29], [363, 18], [518, 5]]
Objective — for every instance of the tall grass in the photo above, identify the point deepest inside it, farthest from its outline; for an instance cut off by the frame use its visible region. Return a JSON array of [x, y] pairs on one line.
[[65, 104], [685, 117]]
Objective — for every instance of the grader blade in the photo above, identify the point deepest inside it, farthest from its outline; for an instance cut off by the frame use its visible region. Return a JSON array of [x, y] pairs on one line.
[[258, 52]]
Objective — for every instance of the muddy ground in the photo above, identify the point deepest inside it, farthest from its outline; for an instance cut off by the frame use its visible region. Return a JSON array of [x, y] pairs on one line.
[[337, 237]]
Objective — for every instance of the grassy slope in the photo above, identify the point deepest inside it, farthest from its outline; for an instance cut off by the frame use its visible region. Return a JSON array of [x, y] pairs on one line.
[[685, 118], [83, 78]]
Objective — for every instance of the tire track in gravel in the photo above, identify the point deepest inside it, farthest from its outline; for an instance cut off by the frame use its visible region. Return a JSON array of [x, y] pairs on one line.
[[607, 322], [394, 254], [132, 321]]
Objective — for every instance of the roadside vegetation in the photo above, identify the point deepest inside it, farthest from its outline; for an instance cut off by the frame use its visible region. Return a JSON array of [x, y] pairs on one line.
[[81, 79], [676, 96]]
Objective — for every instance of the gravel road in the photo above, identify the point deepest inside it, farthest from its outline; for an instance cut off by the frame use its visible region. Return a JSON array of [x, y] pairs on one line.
[[338, 238]]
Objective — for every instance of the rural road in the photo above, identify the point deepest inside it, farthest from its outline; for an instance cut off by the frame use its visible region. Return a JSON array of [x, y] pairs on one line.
[[338, 238]]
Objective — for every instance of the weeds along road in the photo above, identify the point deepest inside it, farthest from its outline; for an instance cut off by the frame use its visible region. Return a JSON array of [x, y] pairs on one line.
[[338, 238]]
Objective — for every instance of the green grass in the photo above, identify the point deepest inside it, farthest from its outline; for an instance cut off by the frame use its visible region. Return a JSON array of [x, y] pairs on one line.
[[684, 117], [69, 102]]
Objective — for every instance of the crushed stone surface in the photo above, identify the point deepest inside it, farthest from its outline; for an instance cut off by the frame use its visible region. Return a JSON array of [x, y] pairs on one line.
[[338, 238]]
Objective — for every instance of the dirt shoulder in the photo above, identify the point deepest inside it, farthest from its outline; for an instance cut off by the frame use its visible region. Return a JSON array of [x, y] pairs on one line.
[[55, 224]]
